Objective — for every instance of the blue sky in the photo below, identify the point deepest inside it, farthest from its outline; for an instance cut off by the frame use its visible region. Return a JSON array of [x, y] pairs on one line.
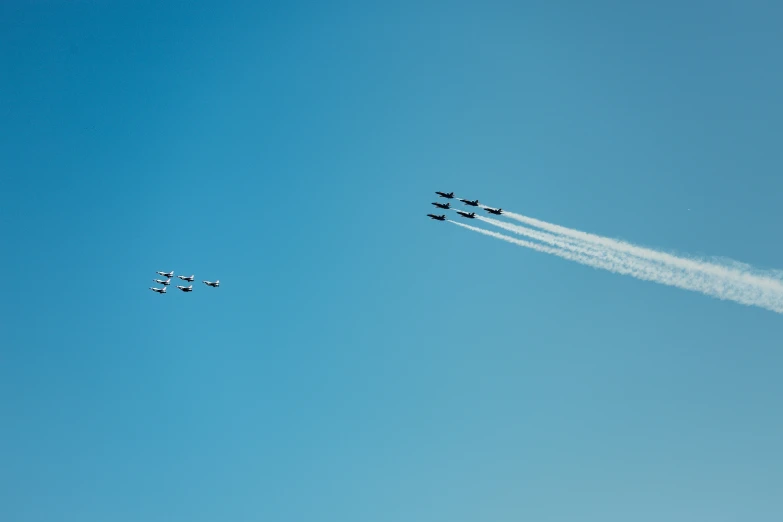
[[360, 362]]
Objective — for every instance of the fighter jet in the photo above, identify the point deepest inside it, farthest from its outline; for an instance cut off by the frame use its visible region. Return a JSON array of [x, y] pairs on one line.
[[164, 274], [186, 278], [496, 211], [471, 203], [166, 282], [439, 218], [444, 206], [448, 195], [159, 290], [215, 284], [186, 288], [472, 215]]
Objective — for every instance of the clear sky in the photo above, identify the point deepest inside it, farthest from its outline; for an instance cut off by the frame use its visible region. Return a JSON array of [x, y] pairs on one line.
[[359, 361]]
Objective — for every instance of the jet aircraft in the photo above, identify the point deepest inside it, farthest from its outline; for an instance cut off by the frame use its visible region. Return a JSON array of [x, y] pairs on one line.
[[448, 195], [439, 218], [471, 203], [186, 288], [166, 282], [472, 215], [186, 278], [164, 274], [159, 290], [445, 206], [215, 284], [496, 211]]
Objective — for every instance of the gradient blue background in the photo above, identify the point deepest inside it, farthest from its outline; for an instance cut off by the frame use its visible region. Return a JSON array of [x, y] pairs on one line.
[[361, 362]]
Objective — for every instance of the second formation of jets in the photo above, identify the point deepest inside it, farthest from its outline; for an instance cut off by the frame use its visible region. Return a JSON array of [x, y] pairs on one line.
[[190, 278]]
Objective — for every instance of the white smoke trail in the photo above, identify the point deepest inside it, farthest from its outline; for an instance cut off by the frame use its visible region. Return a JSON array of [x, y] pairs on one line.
[[551, 239], [640, 268], [769, 281]]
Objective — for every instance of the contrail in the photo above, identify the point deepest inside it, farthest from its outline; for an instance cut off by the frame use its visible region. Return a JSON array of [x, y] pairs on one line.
[[544, 237], [580, 258], [639, 268], [760, 279], [705, 283]]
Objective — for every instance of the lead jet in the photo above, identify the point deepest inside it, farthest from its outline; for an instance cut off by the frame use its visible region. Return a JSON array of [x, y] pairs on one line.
[[447, 195], [472, 215], [166, 282], [496, 211], [186, 278], [215, 284], [471, 203], [444, 206], [164, 274], [159, 290], [186, 288], [439, 218]]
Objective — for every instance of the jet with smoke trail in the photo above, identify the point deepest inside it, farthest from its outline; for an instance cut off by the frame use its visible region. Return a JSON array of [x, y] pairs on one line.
[[724, 281]]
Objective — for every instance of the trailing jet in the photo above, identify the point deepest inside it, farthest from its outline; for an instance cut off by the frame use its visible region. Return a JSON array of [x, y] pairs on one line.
[[186, 278], [445, 206], [472, 215], [215, 284], [439, 218], [471, 203], [159, 290], [166, 282], [448, 195], [496, 211], [164, 274], [186, 288]]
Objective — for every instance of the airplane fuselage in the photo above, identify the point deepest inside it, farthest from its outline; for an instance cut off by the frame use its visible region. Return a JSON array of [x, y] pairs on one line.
[[470, 215], [495, 211], [448, 195], [443, 205], [439, 218], [471, 203]]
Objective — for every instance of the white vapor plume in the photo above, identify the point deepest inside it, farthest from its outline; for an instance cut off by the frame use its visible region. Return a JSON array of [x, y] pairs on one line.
[[599, 256], [768, 281]]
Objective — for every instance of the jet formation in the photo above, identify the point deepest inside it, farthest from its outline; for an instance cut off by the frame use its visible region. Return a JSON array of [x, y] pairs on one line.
[[467, 202], [166, 282]]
